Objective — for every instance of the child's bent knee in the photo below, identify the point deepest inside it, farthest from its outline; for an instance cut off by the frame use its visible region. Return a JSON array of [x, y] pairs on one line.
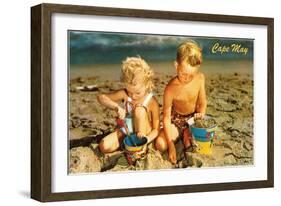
[[140, 112], [104, 147], [161, 145]]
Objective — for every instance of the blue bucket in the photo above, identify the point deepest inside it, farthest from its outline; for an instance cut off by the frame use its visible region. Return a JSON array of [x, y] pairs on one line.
[[132, 143], [135, 148]]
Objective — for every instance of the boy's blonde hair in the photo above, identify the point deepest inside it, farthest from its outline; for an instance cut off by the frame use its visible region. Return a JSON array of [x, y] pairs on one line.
[[134, 70], [189, 52]]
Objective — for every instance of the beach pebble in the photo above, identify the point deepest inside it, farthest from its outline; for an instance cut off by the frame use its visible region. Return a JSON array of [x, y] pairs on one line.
[[234, 133]]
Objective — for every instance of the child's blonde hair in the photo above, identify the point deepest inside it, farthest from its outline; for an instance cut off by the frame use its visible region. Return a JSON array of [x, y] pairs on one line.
[[135, 69], [189, 52]]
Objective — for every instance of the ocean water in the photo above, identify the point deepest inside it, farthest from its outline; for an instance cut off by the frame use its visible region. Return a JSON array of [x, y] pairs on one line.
[[112, 71], [91, 47]]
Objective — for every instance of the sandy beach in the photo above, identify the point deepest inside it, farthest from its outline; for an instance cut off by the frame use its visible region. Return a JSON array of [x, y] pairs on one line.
[[230, 102]]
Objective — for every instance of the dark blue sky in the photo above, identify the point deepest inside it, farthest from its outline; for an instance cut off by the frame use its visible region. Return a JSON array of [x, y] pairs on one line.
[[102, 48]]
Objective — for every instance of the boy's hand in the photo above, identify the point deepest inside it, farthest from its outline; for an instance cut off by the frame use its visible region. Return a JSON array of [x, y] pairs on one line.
[[172, 152], [121, 112], [198, 116]]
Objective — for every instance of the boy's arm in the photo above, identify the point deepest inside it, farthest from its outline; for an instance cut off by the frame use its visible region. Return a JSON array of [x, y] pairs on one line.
[[167, 107], [201, 104], [110, 99], [168, 100]]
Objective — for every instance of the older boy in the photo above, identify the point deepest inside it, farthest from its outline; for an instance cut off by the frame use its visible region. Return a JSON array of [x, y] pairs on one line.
[[184, 97]]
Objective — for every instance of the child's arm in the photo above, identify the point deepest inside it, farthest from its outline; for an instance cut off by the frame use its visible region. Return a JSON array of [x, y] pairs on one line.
[[111, 100], [155, 121], [201, 103], [167, 108]]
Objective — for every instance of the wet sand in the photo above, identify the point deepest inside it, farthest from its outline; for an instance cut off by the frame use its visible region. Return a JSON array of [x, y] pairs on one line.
[[230, 102], [208, 67]]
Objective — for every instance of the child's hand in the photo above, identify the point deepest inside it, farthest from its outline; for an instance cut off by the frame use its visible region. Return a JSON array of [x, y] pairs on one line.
[[172, 153], [198, 116], [140, 134], [121, 112]]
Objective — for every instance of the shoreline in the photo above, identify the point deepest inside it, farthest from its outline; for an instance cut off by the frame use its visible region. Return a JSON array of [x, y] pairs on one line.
[[105, 71]]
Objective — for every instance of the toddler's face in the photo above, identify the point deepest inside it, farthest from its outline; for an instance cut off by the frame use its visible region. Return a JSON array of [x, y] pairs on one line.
[[186, 72], [137, 91]]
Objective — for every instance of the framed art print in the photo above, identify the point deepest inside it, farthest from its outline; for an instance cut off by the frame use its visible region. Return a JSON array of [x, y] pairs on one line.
[[137, 102]]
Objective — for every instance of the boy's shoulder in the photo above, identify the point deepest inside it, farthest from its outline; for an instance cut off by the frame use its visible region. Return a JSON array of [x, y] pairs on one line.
[[172, 86], [173, 82], [201, 75]]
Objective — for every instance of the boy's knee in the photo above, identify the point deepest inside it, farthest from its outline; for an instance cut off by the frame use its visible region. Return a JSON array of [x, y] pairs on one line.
[[160, 145], [140, 112]]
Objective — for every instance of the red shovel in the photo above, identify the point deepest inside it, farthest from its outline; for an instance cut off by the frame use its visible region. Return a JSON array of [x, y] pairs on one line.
[[122, 123]]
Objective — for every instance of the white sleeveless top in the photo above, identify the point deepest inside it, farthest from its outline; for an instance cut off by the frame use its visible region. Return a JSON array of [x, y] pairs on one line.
[[145, 102]]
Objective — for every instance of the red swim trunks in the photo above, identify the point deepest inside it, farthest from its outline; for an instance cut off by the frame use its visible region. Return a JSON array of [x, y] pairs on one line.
[[180, 121]]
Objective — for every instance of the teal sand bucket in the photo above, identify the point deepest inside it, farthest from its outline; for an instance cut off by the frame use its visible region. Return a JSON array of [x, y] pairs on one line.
[[203, 136]]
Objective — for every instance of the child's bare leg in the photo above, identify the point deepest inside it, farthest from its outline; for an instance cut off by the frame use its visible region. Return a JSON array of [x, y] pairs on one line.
[[110, 143], [187, 136], [141, 122], [161, 141]]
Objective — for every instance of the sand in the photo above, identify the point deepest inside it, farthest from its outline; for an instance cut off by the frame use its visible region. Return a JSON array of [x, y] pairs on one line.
[[230, 102]]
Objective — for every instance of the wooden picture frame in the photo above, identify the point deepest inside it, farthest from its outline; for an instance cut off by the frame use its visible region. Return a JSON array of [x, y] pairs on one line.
[[41, 101]]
